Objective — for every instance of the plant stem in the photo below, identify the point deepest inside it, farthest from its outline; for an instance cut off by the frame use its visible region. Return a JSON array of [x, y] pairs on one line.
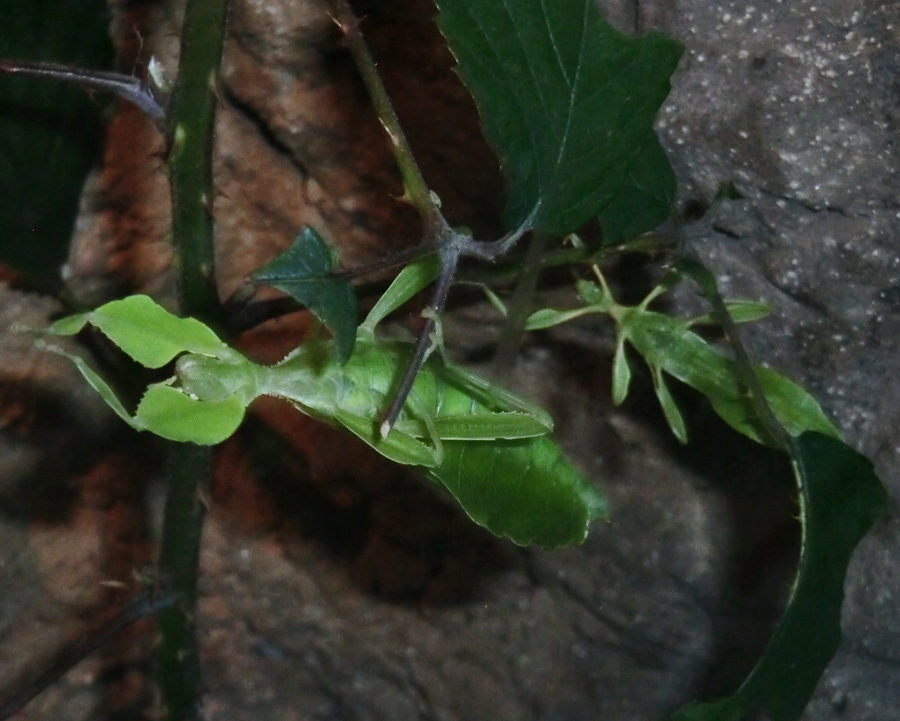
[[416, 191], [76, 652], [424, 342], [743, 363], [191, 124], [178, 664], [519, 307], [192, 112]]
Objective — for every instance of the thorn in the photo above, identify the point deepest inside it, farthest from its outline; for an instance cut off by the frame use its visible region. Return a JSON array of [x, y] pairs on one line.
[[124, 86], [405, 198]]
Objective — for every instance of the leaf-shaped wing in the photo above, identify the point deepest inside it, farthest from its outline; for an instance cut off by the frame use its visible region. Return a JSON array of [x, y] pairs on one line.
[[523, 489]]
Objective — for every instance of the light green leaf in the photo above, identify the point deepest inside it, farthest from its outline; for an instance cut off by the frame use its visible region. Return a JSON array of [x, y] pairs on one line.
[[548, 317], [669, 344], [305, 271], [670, 408], [592, 294], [840, 499], [741, 311], [495, 301], [568, 103], [621, 374], [409, 281]]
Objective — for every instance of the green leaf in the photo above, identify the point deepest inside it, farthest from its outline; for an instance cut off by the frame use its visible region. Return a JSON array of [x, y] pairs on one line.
[[548, 317], [524, 489], [305, 271], [50, 133], [496, 303], [670, 408], [840, 498], [147, 332], [645, 200], [568, 104], [621, 373], [669, 344], [409, 281], [741, 311]]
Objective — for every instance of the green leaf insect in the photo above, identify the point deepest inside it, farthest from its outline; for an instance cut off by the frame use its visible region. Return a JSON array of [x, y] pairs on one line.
[[672, 349], [486, 446]]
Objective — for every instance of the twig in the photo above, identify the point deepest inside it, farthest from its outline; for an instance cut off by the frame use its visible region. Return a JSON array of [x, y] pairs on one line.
[[423, 347], [743, 364], [76, 652], [191, 124], [416, 190], [519, 307], [450, 244], [152, 101]]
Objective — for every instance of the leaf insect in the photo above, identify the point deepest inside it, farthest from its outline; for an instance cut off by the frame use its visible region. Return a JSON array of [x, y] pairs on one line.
[[671, 348], [487, 446]]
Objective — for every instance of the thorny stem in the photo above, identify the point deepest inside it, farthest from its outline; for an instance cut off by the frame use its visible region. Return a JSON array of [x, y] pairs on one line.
[[178, 663], [243, 314], [191, 123], [744, 365], [73, 654], [416, 191], [424, 345], [144, 95]]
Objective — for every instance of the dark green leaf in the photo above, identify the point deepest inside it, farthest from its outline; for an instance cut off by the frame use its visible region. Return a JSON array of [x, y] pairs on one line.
[[568, 103], [305, 271], [644, 200], [50, 133], [841, 497]]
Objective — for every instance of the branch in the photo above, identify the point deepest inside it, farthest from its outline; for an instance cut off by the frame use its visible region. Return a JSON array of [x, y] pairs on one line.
[[75, 653], [150, 99], [191, 125], [450, 244], [416, 191]]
